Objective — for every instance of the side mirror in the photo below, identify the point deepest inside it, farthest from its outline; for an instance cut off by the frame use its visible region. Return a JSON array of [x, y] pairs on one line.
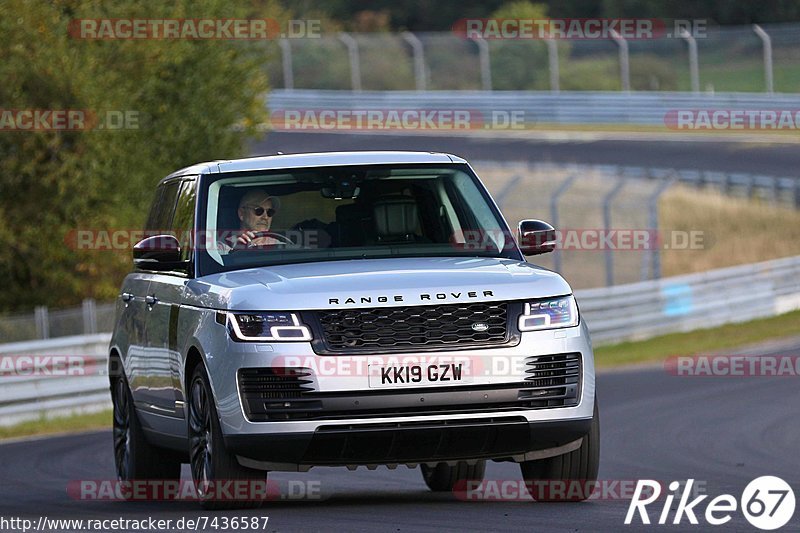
[[161, 252], [536, 237]]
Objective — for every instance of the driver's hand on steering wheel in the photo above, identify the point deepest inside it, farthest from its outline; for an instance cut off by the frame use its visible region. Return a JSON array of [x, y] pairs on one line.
[[247, 238]]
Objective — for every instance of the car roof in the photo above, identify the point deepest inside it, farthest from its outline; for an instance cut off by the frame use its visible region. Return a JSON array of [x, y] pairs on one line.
[[316, 159]]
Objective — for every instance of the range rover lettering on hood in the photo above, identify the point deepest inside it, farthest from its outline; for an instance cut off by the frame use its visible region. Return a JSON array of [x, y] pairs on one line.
[[400, 298]]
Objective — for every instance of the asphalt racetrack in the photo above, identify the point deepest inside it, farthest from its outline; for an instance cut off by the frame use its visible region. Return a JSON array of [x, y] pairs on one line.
[[642, 150], [721, 431]]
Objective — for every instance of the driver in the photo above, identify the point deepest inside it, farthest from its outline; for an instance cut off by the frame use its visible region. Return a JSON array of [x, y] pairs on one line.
[[256, 209]]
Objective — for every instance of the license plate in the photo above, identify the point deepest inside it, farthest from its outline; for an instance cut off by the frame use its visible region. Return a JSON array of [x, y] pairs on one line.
[[417, 375]]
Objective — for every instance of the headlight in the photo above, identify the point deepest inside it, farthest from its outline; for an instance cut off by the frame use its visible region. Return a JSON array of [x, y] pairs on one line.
[[561, 312], [268, 327]]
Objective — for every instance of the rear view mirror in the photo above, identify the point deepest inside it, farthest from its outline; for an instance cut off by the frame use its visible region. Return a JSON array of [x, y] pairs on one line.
[[341, 187], [343, 192]]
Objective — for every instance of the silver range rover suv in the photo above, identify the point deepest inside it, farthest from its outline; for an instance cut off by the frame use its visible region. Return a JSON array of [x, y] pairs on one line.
[[346, 309]]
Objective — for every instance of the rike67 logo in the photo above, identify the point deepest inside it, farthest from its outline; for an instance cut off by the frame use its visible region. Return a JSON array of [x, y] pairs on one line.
[[767, 503]]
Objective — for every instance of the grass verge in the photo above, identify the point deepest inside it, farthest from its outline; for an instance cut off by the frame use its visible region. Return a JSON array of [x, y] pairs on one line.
[[735, 231], [47, 426], [700, 341]]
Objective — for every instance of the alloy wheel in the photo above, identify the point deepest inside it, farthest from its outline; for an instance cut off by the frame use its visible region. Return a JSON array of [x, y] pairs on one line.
[[122, 430], [200, 441]]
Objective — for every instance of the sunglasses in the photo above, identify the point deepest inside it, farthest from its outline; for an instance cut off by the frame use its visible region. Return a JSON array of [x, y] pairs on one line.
[[258, 210]]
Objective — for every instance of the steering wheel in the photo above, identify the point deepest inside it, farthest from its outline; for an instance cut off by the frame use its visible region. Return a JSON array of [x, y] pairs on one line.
[[259, 234]]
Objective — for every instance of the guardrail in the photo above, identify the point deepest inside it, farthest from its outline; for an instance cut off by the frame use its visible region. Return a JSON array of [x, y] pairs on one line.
[[508, 109], [613, 314], [682, 303], [53, 387]]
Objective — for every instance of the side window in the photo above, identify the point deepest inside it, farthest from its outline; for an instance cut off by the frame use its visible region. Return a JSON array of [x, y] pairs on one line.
[[160, 218], [183, 221], [463, 193], [465, 218], [150, 225]]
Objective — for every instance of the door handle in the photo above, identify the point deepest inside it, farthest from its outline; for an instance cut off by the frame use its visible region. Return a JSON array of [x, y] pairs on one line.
[[126, 297], [150, 299]]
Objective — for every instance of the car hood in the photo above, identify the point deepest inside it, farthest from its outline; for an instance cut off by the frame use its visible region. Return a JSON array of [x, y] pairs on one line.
[[374, 283]]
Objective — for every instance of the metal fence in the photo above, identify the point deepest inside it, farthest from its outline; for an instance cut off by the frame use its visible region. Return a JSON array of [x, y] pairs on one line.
[[621, 225], [776, 190], [613, 314], [731, 59], [44, 323]]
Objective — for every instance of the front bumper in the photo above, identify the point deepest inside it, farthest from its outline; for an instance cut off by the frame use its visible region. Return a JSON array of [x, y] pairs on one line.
[[482, 429]]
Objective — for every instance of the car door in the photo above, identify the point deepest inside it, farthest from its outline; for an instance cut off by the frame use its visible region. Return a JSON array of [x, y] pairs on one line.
[[164, 306], [131, 327], [150, 388], [133, 317]]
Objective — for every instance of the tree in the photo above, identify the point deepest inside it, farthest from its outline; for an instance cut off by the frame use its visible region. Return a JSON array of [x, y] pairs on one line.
[[191, 100], [520, 64]]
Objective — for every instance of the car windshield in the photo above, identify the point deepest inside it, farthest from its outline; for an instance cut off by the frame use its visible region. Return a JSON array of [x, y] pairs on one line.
[[340, 213]]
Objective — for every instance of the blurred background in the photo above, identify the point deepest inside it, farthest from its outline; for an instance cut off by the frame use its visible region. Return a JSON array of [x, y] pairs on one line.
[[572, 158]]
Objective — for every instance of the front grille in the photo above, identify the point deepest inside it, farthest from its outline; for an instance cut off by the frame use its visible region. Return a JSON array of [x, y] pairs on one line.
[[554, 379], [401, 328], [275, 393], [551, 381]]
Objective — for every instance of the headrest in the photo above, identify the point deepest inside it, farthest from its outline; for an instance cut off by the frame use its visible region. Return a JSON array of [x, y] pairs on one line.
[[395, 216]]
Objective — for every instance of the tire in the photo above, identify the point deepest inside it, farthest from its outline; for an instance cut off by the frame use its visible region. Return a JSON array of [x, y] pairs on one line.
[[577, 469], [445, 478], [209, 459], [134, 457]]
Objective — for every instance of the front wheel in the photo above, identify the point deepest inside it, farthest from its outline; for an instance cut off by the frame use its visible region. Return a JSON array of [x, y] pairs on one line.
[[569, 477], [444, 478], [214, 469]]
